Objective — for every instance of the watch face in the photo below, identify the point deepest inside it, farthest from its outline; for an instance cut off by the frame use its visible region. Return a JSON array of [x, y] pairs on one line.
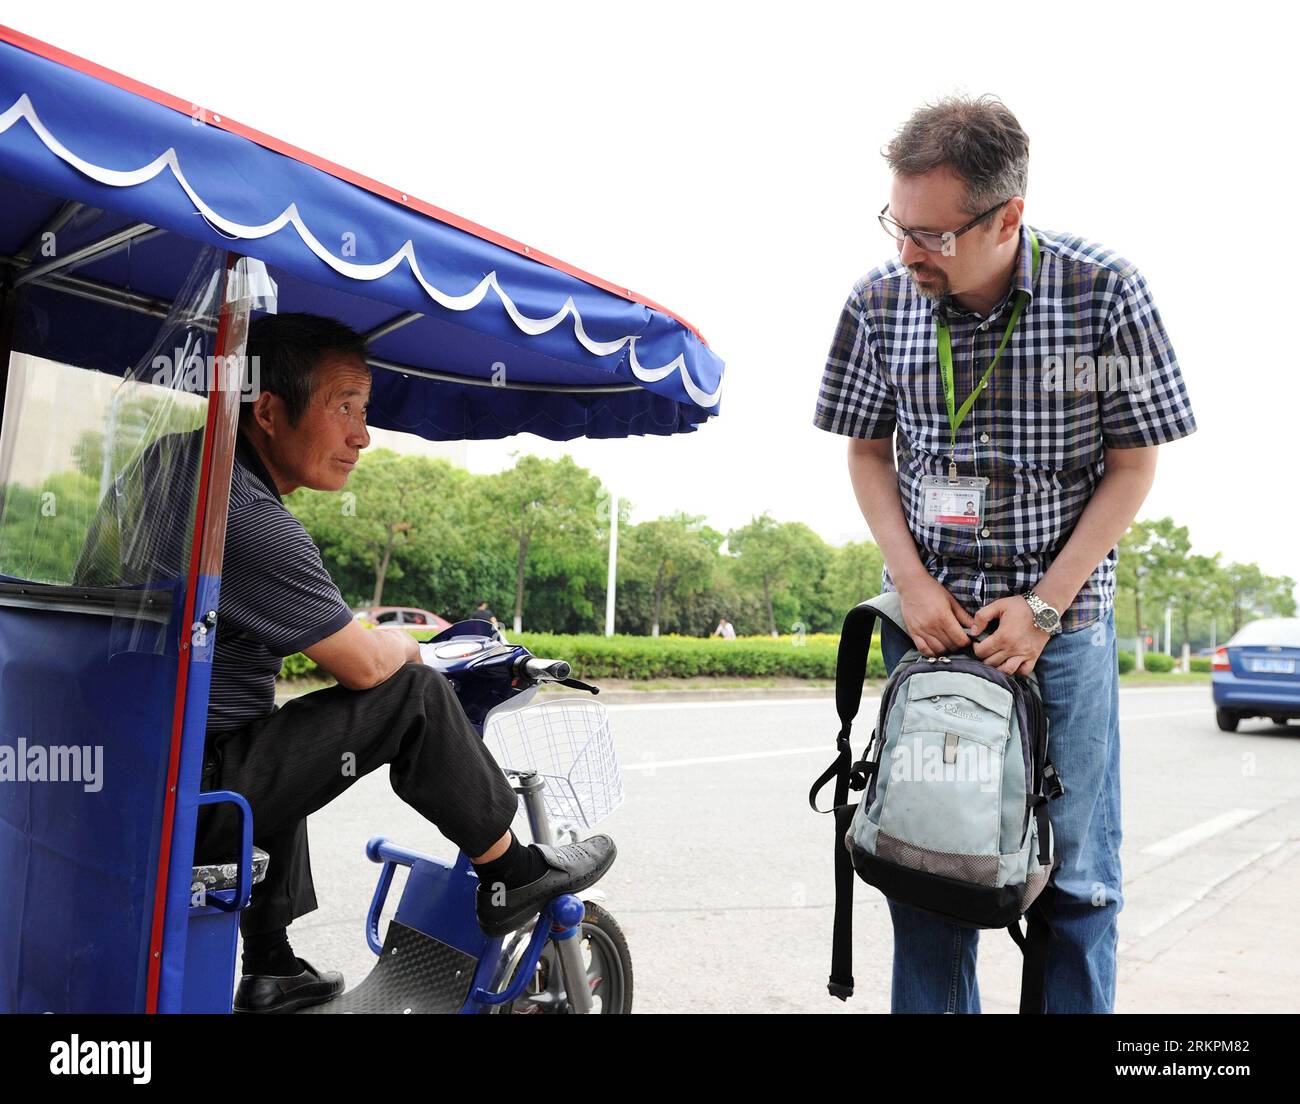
[[1047, 619]]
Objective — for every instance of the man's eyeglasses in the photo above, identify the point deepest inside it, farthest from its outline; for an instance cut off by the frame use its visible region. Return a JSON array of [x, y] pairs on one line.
[[932, 241]]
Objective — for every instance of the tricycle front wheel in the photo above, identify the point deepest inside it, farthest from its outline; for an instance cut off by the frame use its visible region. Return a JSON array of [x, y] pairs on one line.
[[609, 971]]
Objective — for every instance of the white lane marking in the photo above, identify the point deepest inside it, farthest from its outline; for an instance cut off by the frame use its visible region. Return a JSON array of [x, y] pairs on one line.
[[1175, 909], [829, 696], [868, 704], [821, 749], [736, 704], [1126, 717], [1190, 837]]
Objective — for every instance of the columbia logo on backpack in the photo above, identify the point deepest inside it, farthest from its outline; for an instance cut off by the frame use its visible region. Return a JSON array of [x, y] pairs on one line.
[[957, 779]]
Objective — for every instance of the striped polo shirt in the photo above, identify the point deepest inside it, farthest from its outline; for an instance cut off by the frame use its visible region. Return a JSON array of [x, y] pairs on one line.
[[276, 597]]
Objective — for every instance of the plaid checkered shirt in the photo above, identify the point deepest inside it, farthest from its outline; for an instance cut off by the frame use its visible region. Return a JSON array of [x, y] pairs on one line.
[[1088, 367]]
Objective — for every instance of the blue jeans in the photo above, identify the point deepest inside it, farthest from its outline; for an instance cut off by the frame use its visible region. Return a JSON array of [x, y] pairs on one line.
[[934, 960]]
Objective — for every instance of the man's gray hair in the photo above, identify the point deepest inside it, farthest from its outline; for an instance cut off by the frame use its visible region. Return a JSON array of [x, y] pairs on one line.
[[979, 139]]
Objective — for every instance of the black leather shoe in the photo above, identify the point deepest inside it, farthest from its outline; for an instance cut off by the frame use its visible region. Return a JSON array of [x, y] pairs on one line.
[[571, 869], [265, 993]]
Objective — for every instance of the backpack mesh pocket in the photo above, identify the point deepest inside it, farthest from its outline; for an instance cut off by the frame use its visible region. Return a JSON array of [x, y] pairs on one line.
[[975, 869], [1033, 887]]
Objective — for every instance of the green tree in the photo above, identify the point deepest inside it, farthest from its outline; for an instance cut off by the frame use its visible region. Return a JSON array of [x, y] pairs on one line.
[[1253, 594], [1188, 587], [548, 513], [673, 557], [43, 529], [1150, 553], [739, 601], [392, 504], [777, 558], [854, 575], [135, 421]]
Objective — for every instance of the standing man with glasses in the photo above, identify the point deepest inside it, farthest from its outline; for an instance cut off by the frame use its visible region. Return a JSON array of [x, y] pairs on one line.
[[1027, 376]]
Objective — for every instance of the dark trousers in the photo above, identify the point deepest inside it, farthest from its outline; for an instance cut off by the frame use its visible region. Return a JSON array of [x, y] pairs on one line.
[[310, 750]]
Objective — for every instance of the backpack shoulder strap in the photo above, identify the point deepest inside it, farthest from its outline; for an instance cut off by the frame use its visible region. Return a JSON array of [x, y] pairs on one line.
[[889, 605], [855, 647], [850, 671]]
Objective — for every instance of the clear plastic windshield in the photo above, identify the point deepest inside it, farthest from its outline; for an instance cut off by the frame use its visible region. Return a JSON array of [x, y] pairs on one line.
[[100, 474]]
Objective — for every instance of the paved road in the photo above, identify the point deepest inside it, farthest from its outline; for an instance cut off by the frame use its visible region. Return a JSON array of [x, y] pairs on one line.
[[723, 880]]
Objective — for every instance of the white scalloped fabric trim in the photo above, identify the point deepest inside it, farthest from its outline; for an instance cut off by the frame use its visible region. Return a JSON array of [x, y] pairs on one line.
[[122, 178]]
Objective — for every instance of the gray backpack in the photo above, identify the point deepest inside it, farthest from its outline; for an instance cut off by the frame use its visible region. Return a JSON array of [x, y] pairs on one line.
[[957, 779]]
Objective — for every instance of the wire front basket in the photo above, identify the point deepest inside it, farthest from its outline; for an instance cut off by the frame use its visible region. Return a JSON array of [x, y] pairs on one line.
[[569, 743]]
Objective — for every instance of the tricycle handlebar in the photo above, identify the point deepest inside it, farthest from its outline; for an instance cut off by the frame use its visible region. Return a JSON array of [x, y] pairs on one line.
[[546, 670]]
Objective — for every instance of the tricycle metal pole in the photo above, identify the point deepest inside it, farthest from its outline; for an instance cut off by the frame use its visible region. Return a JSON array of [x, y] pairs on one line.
[[530, 785], [568, 946], [576, 985]]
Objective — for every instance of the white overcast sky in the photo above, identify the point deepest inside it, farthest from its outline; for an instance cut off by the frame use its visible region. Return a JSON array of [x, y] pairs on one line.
[[724, 160]]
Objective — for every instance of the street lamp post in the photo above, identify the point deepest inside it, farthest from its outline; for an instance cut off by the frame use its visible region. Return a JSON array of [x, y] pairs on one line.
[[611, 578]]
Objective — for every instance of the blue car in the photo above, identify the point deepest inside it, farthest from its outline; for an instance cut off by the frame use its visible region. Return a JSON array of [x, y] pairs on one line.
[[1255, 673]]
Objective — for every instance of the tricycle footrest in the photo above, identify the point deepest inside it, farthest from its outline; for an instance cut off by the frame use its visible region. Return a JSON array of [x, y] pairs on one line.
[[416, 974]]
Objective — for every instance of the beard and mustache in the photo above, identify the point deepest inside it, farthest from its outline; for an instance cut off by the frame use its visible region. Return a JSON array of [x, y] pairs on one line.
[[937, 288]]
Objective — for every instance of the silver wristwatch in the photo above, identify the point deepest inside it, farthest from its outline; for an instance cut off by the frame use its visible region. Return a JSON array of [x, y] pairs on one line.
[[1045, 617]]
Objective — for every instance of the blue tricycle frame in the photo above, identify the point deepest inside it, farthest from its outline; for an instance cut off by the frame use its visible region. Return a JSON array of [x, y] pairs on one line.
[[128, 218]]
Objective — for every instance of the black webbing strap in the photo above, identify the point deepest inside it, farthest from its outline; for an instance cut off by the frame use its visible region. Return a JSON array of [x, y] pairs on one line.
[[1033, 945], [850, 671], [1038, 809], [1034, 939]]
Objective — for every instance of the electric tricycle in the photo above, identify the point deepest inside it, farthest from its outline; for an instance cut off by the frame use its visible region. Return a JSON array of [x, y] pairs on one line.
[[139, 233]]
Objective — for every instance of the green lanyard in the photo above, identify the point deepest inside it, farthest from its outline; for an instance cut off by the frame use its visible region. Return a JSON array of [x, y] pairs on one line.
[[957, 416]]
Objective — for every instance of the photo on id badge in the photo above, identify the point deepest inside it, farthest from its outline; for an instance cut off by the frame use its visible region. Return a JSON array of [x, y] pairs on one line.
[[953, 501]]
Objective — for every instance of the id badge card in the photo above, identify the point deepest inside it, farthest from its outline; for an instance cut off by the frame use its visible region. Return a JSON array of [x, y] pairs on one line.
[[953, 501]]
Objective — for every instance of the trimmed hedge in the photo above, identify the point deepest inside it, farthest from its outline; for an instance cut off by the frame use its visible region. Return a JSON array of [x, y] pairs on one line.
[[643, 657], [1202, 664], [297, 666]]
